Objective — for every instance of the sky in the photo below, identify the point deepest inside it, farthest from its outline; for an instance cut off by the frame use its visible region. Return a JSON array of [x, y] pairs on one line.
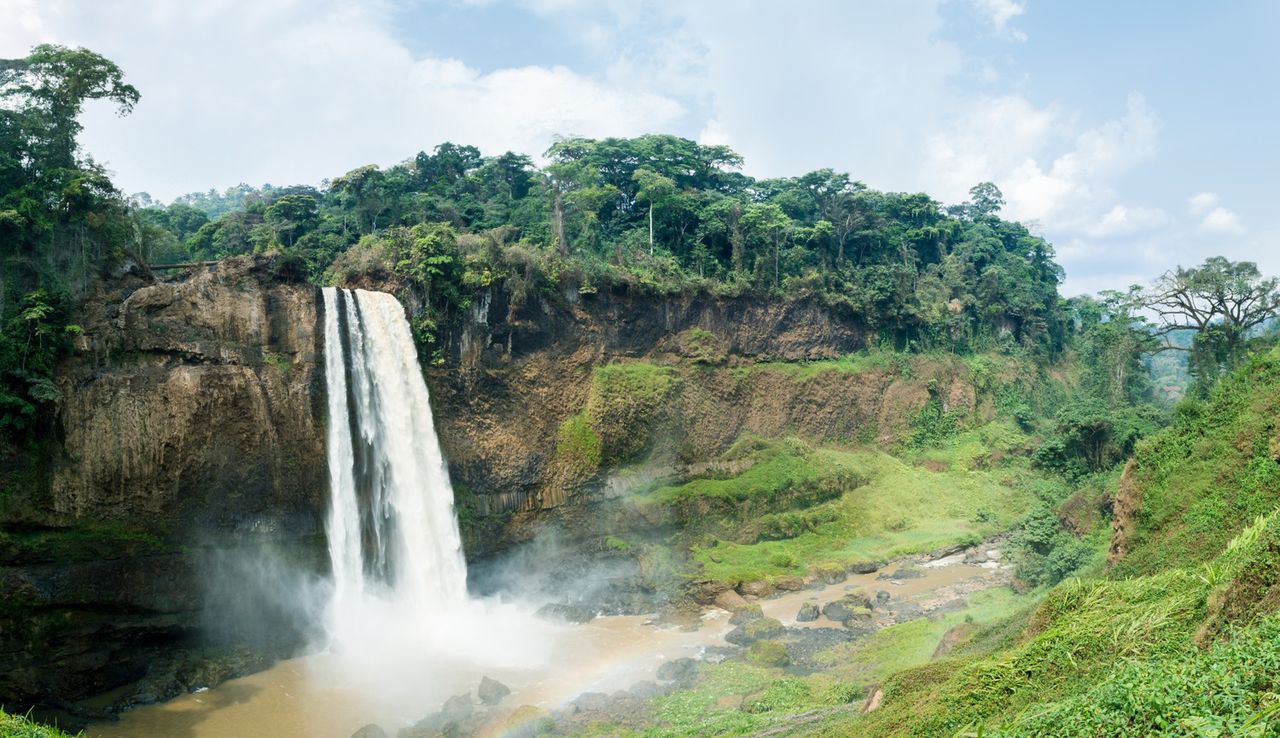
[[1135, 136]]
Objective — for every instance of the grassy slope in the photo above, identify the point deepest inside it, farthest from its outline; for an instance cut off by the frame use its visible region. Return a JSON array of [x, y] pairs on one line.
[[901, 508], [1179, 639]]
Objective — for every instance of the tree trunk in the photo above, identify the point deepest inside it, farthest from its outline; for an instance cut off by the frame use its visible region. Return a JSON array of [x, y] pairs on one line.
[[557, 220], [650, 229]]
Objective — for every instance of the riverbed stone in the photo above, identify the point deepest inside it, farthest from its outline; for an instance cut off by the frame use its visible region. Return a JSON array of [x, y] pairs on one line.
[[755, 589], [746, 614], [808, 613], [730, 600], [457, 708], [565, 613], [847, 607], [492, 691], [906, 572], [865, 567], [756, 630], [680, 671], [789, 584]]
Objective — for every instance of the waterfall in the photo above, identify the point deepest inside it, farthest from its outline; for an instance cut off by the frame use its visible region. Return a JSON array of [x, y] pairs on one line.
[[393, 536]]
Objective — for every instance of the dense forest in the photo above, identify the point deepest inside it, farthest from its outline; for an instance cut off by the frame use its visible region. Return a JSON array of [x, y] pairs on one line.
[[657, 213]]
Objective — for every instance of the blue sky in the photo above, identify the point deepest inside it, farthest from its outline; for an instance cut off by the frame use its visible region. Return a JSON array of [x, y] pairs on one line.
[[1134, 135]]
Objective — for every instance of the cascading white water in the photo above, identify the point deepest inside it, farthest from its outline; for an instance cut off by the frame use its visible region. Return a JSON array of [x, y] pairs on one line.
[[393, 536]]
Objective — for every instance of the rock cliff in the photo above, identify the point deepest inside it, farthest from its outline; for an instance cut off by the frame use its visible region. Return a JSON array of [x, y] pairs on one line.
[[189, 439]]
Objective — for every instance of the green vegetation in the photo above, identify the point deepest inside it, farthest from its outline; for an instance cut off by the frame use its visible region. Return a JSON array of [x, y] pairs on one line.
[[18, 726], [797, 508], [1205, 478]]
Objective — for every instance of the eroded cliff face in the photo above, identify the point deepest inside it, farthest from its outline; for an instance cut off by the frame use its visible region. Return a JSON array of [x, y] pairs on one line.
[[511, 375], [190, 437]]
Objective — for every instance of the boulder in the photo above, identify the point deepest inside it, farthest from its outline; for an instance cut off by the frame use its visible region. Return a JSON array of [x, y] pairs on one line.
[[882, 598], [565, 613], [789, 584], [680, 671], [756, 630], [730, 600], [906, 572], [705, 591], [854, 604], [865, 567], [647, 689], [755, 589], [492, 691], [370, 731], [746, 614], [457, 708], [808, 613], [590, 702]]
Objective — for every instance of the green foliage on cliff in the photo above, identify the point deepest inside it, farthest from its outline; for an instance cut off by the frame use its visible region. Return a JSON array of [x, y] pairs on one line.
[[62, 222], [578, 446], [659, 214]]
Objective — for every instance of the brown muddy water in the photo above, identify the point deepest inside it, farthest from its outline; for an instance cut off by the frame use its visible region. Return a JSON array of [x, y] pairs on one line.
[[319, 696]]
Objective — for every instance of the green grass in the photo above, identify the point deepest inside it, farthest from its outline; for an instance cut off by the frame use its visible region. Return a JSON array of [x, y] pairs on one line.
[[1206, 477], [1077, 637], [17, 726], [901, 509], [912, 643]]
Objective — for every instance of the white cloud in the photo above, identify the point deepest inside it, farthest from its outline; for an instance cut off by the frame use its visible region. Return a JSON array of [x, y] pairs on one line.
[[286, 91], [1213, 218], [1201, 203], [1000, 12], [1006, 139], [1221, 221], [1122, 220]]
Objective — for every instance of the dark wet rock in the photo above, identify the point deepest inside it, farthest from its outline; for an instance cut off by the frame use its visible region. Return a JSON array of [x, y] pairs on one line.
[[852, 605], [804, 645], [906, 572], [370, 731], [830, 574], [755, 589], [680, 671], [647, 690], [492, 691], [705, 591], [905, 611], [865, 567], [746, 614], [590, 702], [717, 654], [458, 707], [808, 613], [756, 630], [789, 584], [730, 600], [565, 613], [945, 551], [882, 598]]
